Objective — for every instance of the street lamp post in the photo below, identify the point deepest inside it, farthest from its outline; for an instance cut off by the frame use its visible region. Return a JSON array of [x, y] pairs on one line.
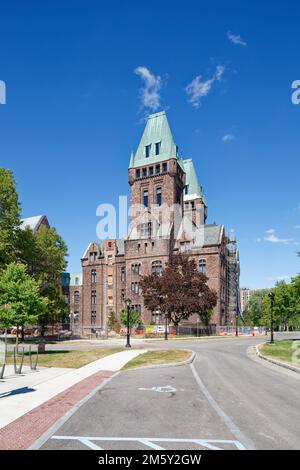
[[236, 324], [271, 296], [128, 305]]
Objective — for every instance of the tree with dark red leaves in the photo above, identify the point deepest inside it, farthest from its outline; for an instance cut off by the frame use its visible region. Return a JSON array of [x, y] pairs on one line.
[[179, 291]]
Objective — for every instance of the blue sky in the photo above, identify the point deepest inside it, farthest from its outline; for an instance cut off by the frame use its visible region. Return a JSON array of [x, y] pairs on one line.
[[75, 110]]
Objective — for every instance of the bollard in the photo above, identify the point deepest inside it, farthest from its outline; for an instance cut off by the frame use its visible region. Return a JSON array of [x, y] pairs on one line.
[[33, 365], [18, 369]]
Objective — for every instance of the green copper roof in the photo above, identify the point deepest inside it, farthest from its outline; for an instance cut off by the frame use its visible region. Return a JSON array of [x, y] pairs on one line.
[[194, 189], [157, 130]]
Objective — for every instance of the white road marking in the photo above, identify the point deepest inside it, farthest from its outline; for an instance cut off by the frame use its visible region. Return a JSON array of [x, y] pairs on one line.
[[166, 389], [150, 441], [233, 428]]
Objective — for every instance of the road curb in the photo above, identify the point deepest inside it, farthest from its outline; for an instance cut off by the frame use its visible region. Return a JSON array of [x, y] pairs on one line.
[[285, 365], [161, 366]]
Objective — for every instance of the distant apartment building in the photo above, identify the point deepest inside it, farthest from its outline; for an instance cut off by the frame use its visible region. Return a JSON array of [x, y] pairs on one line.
[[245, 296]]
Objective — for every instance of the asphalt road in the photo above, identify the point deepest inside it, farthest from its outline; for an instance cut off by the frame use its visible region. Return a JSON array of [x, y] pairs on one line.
[[226, 399]]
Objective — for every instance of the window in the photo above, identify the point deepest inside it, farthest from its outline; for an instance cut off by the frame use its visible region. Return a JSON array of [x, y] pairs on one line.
[[109, 279], [147, 151], [137, 308], [158, 196], [164, 167], [122, 294], [138, 173], [145, 198], [157, 267], [93, 256], [110, 260], [94, 276], [93, 317], [157, 148], [76, 316], [76, 281], [123, 274], [185, 246], [202, 266], [186, 189], [136, 268], [135, 287], [110, 300], [144, 171], [93, 297], [151, 170], [145, 230], [157, 169], [76, 296]]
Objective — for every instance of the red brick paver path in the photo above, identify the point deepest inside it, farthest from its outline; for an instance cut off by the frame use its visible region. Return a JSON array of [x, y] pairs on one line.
[[24, 431]]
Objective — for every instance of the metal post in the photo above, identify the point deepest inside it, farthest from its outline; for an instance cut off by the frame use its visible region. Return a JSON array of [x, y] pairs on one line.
[[128, 303], [236, 325], [271, 296]]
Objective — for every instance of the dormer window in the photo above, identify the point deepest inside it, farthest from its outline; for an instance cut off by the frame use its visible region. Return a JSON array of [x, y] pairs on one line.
[[157, 148], [144, 172], [138, 173], [147, 150]]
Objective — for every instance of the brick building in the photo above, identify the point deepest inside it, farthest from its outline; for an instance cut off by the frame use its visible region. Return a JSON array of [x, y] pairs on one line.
[[245, 296], [168, 215]]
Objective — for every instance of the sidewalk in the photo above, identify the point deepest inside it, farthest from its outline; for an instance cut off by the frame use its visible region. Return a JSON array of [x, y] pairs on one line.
[[32, 402]]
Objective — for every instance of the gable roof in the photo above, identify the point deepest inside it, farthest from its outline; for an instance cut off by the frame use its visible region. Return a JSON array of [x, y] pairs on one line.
[[157, 130], [34, 222]]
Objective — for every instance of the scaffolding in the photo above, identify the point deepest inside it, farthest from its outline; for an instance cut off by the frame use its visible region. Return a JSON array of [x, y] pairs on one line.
[[233, 279]]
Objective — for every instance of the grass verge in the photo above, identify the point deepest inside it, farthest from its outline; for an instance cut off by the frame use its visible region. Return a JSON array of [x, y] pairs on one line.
[[69, 359], [163, 356], [286, 350]]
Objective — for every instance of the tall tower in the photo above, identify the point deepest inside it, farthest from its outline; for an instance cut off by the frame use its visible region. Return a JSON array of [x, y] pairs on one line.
[[156, 174]]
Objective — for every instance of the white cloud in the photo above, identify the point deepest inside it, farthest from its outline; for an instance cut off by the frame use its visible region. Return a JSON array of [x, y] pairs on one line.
[[150, 92], [236, 39], [274, 239], [297, 226], [271, 230], [198, 88], [279, 278], [228, 137], [258, 239]]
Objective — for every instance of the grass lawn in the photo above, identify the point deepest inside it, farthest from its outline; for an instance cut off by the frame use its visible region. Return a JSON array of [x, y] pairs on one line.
[[282, 350], [163, 356], [71, 358]]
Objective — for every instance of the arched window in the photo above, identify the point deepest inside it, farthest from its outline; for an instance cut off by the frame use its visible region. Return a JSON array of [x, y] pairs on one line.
[[202, 266], [157, 267], [76, 296], [136, 268], [158, 196]]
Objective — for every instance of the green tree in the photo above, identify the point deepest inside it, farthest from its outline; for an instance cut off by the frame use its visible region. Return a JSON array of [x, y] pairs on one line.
[[44, 252], [20, 300], [257, 309], [9, 217], [134, 318]]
